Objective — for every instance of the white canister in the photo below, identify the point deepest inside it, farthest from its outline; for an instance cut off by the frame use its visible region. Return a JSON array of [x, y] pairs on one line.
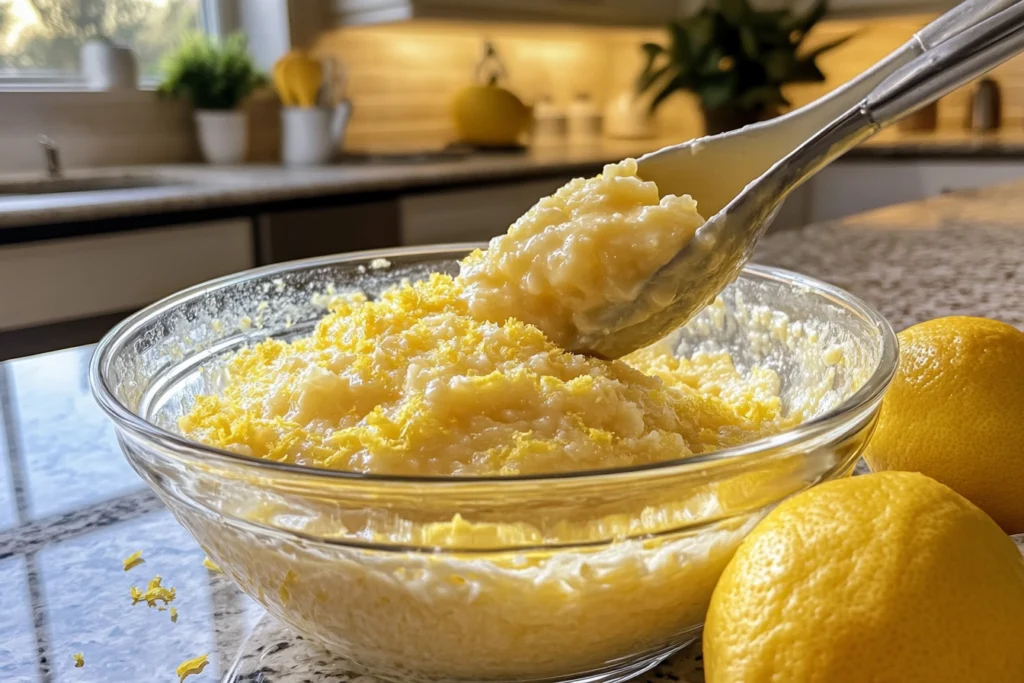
[[549, 125], [584, 120], [107, 66], [311, 136], [223, 135]]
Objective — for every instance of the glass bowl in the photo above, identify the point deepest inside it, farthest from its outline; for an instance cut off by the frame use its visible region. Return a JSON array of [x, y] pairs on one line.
[[595, 576]]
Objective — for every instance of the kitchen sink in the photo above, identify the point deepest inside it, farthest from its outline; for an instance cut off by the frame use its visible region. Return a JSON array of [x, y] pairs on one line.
[[83, 184]]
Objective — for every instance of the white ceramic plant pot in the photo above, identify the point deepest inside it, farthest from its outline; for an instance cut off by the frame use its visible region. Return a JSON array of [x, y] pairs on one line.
[[223, 135]]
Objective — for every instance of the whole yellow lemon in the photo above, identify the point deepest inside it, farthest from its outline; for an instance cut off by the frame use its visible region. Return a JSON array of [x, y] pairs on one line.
[[489, 115], [887, 578], [955, 410]]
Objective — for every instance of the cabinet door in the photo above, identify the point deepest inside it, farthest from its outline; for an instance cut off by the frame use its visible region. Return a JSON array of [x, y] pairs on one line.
[[67, 279], [471, 215], [302, 233]]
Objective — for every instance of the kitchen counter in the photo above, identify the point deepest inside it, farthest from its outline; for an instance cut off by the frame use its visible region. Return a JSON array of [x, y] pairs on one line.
[[202, 188], [1007, 143], [71, 509]]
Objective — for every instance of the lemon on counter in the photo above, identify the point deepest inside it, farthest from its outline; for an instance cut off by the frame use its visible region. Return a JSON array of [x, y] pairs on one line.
[[486, 114], [489, 116], [889, 577], [954, 413]]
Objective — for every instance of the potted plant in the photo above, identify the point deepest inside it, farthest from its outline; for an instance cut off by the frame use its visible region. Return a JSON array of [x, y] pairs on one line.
[[215, 76], [736, 60]]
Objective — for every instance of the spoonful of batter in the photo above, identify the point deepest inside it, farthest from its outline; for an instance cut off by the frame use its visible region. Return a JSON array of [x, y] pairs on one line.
[[611, 264]]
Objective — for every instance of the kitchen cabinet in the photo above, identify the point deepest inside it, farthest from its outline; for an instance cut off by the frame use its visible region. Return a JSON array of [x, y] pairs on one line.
[[469, 215], [304, 233], [66, 279], [854, 186], [601, 12]]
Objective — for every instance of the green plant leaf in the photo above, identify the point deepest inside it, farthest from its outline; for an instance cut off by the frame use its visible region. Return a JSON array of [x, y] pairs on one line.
[[671, 86], [805, 23], [709, 65], [763, 96], [832, 44], [805, 71], [778, 64], [733, 56], [748, 39], [736, 12], [680, 50], [651, 52], [720, 93], [769, 18], [700, 32], [211, 74], [651, 76]]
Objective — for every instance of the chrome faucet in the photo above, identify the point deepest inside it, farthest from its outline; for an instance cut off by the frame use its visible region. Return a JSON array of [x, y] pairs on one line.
[[52, 155]]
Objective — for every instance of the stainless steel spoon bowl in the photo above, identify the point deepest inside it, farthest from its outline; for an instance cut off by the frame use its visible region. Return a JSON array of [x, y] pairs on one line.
[[742, 177]]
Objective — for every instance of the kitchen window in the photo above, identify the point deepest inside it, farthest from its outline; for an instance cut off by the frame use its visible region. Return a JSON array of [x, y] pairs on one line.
[[40, 39]]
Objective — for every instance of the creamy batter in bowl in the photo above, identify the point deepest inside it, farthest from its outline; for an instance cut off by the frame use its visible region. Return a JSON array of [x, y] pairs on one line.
[[590, 575]]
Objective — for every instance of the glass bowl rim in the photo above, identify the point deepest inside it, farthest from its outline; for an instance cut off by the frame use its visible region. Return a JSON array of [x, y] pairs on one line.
[[124, 418]]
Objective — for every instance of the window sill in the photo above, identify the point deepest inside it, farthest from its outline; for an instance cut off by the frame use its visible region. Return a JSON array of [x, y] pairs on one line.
[[66, 93]]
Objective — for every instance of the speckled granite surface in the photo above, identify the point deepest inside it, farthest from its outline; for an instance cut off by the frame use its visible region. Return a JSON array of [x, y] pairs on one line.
[[71, 508]]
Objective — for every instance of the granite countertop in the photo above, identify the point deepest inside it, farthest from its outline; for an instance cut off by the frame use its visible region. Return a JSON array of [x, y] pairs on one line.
[[1006, 144], [71, 509], [189, 188]]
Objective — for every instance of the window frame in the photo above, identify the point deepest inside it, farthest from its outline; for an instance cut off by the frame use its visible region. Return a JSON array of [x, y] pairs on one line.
[[216, 17]]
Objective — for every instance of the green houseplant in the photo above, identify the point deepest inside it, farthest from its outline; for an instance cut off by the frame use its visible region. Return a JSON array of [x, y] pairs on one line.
[[735, 59], [215, 76]]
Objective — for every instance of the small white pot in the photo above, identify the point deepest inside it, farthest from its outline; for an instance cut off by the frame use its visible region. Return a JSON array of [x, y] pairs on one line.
[[223, 135]]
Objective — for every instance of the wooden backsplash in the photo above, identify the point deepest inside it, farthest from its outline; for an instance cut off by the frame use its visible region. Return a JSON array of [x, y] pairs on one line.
[[402, 77]]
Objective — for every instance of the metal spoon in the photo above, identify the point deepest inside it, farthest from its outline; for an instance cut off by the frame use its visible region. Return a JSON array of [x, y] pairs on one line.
[[957, 48]]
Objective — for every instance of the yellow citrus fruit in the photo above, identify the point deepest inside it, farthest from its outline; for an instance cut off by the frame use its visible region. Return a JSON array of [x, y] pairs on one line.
[[489, 115], [888, 578], [955, 411]]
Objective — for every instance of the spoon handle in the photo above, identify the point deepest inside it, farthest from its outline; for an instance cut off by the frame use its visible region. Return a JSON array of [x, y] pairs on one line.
[[962, 17], [935, 73], [947, 66]]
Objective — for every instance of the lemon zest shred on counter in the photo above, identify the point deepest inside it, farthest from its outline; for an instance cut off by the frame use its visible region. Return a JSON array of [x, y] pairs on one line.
[[79, 660], [133, 560], [191, 666], [211, 565], [174, 615], [154, 592]]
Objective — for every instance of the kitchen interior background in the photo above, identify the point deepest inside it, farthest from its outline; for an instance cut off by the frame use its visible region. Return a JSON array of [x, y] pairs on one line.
[[401, 79], [80, 260]]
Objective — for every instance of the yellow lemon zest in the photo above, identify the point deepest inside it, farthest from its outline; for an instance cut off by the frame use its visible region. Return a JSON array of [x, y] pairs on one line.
[[191, 667], [133, 560], [155, 592]]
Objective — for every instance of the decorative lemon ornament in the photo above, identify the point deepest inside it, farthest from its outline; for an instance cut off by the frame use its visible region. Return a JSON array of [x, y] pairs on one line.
[[954, 412], [486, 114], [888, 578]]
